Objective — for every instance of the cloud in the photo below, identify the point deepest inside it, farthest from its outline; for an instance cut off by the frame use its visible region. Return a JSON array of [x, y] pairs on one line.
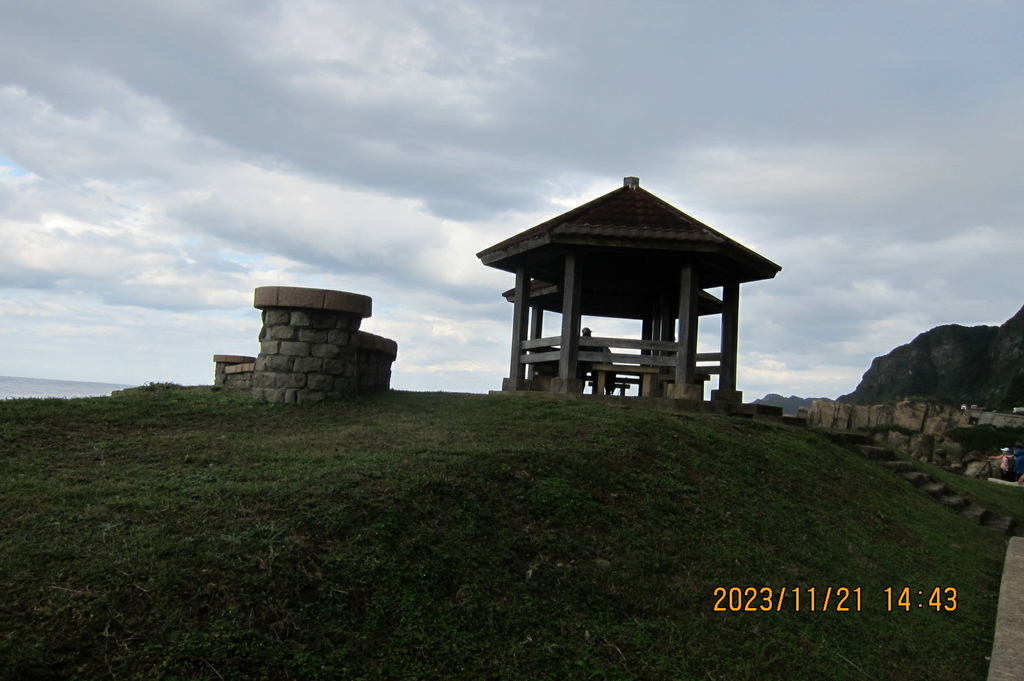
[[159, 160], [443, 61]]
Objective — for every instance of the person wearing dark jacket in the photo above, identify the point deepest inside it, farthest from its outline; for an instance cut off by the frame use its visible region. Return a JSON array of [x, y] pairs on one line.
[[1018, 459]]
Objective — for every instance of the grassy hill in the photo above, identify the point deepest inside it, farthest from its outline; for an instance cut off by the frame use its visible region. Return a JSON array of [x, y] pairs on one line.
[[190, 534]]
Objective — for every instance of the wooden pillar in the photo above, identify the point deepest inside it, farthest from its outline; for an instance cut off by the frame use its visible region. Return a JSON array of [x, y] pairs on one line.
[[536, 321], [667, 318], [536, 328], [520, 323], [650, 384], [664, 319], [647, 329], [568, 360], [686, 355], [730, 345]]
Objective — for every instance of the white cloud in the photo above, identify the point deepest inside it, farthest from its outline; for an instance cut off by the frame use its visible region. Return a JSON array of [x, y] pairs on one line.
[[160, 160], [761, 374], [816, 178], [447, 60]]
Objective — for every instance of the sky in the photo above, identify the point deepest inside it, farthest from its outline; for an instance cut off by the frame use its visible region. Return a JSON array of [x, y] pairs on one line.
[[160, 160]]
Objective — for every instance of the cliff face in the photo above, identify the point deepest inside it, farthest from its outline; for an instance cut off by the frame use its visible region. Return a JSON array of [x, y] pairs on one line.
[[915, 415], [975, 365]]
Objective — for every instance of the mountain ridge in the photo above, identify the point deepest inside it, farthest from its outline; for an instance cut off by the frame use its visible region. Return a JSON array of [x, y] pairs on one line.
[[981, 365]]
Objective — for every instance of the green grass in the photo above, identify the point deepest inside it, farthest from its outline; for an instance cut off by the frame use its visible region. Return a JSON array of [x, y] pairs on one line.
[[190, 534], [1000, 499]]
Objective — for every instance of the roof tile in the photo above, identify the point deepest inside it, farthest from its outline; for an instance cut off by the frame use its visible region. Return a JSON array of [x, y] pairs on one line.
[[624, 212]]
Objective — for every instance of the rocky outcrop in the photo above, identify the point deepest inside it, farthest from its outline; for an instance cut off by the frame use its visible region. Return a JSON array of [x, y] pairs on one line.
[[912, 426], [919, 416], [972, 365], [980, 469], [931, 447]]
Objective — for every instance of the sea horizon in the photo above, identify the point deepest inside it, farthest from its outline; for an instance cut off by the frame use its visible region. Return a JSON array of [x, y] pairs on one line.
[[14, 387]]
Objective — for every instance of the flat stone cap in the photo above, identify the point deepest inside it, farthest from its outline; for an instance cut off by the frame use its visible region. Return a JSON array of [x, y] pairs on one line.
[[234, 359], [313, 299]]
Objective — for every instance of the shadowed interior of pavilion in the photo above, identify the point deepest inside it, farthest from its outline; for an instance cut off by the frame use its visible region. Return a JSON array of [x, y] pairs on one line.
[[625, 255]]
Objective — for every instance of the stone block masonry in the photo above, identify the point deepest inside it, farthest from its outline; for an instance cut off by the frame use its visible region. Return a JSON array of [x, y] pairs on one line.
[[233, 371], [311, 348]]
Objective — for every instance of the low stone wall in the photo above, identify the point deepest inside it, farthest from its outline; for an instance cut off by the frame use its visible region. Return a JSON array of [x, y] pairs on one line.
[[998, 419], [373, 361], [233, 371], [311, 348]]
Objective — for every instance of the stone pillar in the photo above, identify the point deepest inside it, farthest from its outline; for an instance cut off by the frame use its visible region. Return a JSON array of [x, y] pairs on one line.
[[311, 348]]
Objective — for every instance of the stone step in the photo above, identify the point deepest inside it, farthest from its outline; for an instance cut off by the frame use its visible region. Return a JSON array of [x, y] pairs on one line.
[[936, 489], [847, 438], [976, 513], [1005, 524], [916, 478], [953, 501], [875, 453], [942, 494], [897, 466]]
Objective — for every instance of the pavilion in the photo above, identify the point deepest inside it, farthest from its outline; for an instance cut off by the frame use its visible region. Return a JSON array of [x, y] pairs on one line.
[[625, 255]]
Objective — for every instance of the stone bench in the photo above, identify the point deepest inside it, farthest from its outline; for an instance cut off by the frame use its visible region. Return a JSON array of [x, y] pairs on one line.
[[647, 377], [233, 370]]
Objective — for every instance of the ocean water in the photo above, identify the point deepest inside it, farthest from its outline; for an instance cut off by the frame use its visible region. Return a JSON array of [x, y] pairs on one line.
[[16, 386]]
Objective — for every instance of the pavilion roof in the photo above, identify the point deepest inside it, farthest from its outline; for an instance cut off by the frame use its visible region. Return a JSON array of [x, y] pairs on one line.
[[628, 218]]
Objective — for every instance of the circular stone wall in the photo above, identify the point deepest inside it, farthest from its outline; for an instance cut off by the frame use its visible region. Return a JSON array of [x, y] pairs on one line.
[[311, 348]]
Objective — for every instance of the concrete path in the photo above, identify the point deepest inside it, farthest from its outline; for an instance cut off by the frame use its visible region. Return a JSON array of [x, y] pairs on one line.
[[1005, 482], [1007, 662]]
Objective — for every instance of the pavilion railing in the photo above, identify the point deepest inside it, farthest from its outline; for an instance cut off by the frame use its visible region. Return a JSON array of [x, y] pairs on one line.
[[658, 353]]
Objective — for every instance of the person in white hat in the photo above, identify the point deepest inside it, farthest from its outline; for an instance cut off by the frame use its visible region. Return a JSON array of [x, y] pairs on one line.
[[1008, 468]]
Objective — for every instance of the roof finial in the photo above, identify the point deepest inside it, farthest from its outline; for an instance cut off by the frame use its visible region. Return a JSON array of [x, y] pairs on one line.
[[631, 182]]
